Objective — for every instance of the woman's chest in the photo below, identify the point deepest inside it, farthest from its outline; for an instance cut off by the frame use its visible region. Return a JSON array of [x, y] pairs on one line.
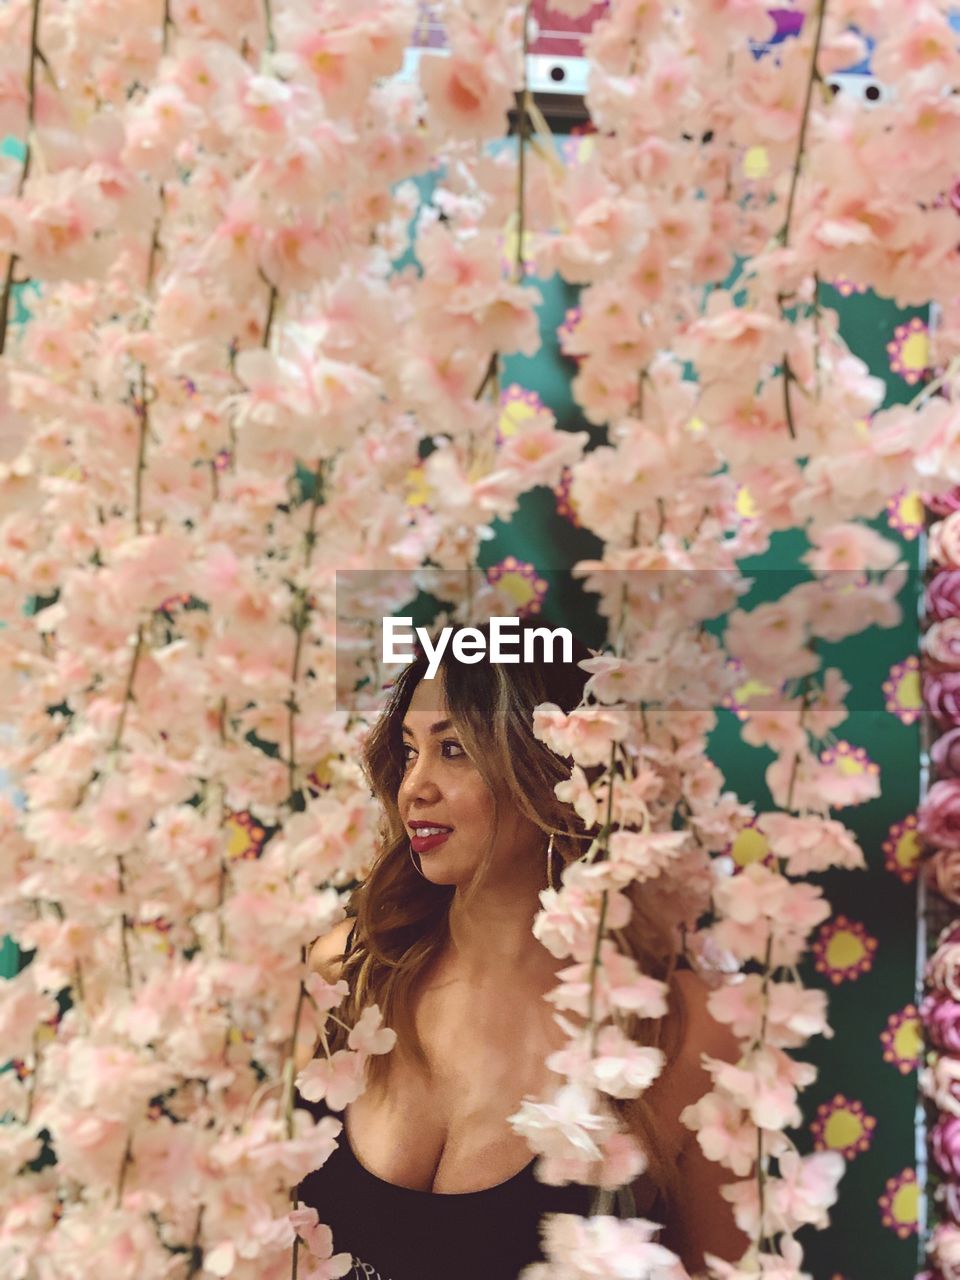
[[446, 1129]]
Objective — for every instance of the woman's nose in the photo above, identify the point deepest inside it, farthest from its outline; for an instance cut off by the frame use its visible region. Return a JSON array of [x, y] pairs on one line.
[[420, 776]]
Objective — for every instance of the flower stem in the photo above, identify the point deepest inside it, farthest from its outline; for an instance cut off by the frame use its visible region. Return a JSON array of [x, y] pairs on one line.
[[765, 983], [523, 133], [783, 235]]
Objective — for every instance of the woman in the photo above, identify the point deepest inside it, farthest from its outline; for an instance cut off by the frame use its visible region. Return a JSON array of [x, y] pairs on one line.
[[429, 1180]]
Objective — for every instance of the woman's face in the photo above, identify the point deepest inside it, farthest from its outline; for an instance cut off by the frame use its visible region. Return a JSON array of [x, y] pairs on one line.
[[442, 785]]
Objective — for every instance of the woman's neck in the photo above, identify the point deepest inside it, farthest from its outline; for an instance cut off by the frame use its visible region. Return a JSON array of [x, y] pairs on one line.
[[491, 939]]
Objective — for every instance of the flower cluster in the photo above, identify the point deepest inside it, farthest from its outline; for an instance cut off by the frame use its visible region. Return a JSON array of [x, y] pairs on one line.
[[940, 1013], [939, 826]]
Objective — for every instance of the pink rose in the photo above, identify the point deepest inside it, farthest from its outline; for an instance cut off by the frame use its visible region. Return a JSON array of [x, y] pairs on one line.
[[942, 872], [944, 1248], [941, 1017], [938, 818], [950, 1192], [945, 1145], [942, 504], [942, 972], [942, 642], [941, 1083], [942, 596], [945, 754], [941, 694], [944, 543]]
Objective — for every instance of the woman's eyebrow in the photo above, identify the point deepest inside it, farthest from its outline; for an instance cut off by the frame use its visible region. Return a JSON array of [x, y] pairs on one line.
[[434, 728]]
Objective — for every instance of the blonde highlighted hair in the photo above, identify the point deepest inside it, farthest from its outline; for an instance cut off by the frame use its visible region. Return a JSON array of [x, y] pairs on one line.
[[401, 917]]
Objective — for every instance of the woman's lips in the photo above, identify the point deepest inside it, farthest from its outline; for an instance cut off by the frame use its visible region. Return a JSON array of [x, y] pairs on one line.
[[423, 844]]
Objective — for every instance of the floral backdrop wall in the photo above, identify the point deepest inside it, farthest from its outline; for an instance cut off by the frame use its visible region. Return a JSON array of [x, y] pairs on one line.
[[263, 348]]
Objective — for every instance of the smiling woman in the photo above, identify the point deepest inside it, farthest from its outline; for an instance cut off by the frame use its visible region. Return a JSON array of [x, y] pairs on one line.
[[430, 1180]]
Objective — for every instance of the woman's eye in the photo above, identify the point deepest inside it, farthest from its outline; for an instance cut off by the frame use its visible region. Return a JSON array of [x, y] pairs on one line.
[[447, 742]]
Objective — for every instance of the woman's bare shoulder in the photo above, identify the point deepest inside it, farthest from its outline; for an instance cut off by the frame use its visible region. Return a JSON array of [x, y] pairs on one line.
[[684, 1080], [328, 951], [702, 1033]]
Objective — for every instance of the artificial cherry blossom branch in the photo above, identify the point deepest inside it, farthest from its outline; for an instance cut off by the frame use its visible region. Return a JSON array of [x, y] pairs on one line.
[[783, 235], [523, 132], [762, 1237]]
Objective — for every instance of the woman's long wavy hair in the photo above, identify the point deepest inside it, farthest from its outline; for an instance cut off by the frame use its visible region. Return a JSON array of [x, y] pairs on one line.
[[401, 918]]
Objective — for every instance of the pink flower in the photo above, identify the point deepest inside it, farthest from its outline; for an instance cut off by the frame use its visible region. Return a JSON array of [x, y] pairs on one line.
[[760, 900], [941, 1018], [567, 921], [826, 709], [811, 844], [780, 729], [325, 995], [728, 339], [368, 1035], [945, 753], [938, 820], [944, 1249], [806, 1189], [941, 643], [941, 695], [942, 595], [156, 126], [567, 1125], [339, 1079], [811, 784], [619, 984], [944, 541], [345, 55], [22, 1007], [576, 791], [941, 1083], [942, 504], [89, 1146], [942, 970], [771, 641], [303, 250], [581, 1248], [325, 1265], [467, 97], [945, 1145], [764, 1083], [642, 855], [942, 871], [585, 734], [789, 1013], [537, 455], [624, 1159], [847, 546], [723, 1131]]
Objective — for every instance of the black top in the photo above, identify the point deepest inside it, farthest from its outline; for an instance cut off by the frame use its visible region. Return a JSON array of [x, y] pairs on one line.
[[400, 1233]]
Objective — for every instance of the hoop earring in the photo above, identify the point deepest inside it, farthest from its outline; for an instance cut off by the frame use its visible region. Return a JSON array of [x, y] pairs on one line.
[[550, 879], [414, 861]]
